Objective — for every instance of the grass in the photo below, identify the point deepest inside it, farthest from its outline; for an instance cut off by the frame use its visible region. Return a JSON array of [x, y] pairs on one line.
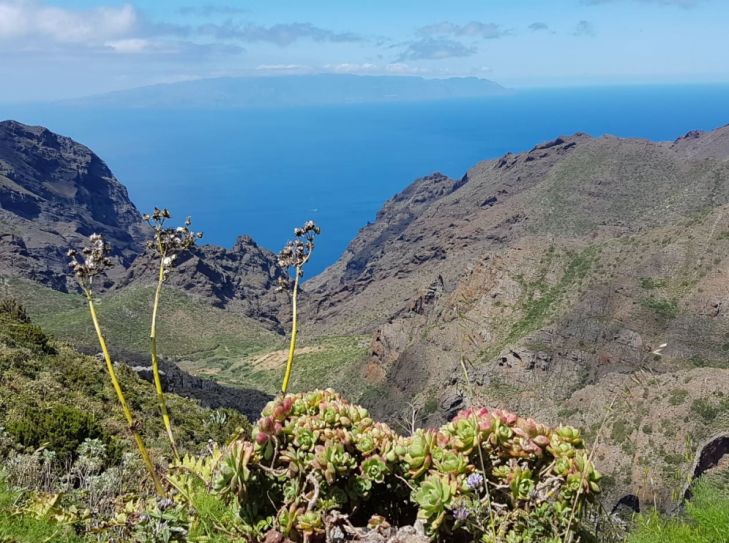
[[16, 528], [649, 283], [321, 362], [188, 328], [678, 396], [705, 520], [540, 299]]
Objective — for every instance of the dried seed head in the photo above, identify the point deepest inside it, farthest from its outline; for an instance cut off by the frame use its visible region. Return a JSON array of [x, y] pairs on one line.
[[95, 260], [296, 252], [169, 242]]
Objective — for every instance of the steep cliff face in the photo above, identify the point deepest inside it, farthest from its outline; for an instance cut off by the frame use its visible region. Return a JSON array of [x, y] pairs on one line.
[[242, 279], [556, 276], [53, 193]]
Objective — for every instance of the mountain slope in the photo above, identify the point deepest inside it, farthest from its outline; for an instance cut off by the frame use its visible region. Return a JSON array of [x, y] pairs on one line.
[[53, 193], [556, 274]]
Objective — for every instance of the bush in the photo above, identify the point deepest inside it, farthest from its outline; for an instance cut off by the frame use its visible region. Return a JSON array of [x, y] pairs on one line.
[[18, 331], [61, 429], [664, 309], [486, 473], [14, 310], [705, 409]]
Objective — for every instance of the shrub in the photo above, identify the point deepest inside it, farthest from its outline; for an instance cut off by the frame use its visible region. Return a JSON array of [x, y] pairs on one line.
[[663, 308], [62, 428], [484, 472], [14, 310], [19, 332], [705, 409]]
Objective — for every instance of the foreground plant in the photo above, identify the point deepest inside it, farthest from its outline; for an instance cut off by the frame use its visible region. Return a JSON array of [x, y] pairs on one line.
[[93, 262], [168, 243], [295, 255], [314, 457]]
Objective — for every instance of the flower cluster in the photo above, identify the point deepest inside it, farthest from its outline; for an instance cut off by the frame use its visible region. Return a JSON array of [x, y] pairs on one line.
[[312, 453], [94, 260], [486, 473], [297, 251], [169, 242], [492, 472]]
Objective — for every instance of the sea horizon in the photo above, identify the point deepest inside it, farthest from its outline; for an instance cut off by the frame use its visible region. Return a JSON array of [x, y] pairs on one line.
[[262, 171]]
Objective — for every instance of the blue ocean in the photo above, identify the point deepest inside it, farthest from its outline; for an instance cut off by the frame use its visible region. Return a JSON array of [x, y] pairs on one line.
[[263, 171]]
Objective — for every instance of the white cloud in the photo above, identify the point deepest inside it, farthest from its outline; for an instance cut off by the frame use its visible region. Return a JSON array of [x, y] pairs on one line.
[[33, 20], [352, 68], [129, 45], [474, 29], [283, 68], [435, 49]]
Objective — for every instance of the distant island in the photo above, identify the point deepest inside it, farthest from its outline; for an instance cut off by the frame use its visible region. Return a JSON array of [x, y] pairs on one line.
[[294, 90]]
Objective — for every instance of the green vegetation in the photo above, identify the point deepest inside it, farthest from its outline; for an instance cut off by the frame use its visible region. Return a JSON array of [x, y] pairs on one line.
[[664, 309], [678, 396], [540, 298], [314, 452], [699, 362], [327, 361], [52, 396], [708, 410], [25, 528], [649, 283], [705, 520], [202, 334]]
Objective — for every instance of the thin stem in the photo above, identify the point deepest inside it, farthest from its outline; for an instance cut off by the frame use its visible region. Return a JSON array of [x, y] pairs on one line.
[[569, 534], [492, 523], [292, 346], [122, 400], [155, 361]]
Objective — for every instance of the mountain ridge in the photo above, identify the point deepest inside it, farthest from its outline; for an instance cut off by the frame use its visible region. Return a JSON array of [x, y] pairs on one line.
[[294, 90]]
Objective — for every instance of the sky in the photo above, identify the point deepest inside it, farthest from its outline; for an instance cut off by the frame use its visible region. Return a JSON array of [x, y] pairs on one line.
[[63, 49]]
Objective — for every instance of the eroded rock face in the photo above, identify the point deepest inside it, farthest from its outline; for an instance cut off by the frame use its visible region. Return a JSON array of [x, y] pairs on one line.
[[585, 276], [54, 192], [242, 279]]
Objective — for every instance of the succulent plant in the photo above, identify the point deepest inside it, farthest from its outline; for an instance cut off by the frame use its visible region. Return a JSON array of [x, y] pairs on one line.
[[312, 453], [416, 452], [433, 498]]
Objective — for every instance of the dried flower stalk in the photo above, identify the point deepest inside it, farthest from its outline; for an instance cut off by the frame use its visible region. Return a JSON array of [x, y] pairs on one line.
[[93, 262], [295, 255], [168, 243]]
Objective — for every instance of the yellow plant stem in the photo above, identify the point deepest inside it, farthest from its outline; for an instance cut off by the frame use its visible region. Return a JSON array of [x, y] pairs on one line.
[[292, 346], [122, 400], [155, 361]]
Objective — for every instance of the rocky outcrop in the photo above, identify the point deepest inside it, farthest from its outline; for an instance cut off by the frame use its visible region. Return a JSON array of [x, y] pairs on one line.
[[53, 193], [242, 279]]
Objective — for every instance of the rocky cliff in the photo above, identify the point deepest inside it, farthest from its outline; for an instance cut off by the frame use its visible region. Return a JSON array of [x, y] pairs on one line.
[[54, 192], [581, 281]]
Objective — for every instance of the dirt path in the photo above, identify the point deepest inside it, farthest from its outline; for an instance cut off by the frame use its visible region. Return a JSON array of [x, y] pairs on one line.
[[277, 359]]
